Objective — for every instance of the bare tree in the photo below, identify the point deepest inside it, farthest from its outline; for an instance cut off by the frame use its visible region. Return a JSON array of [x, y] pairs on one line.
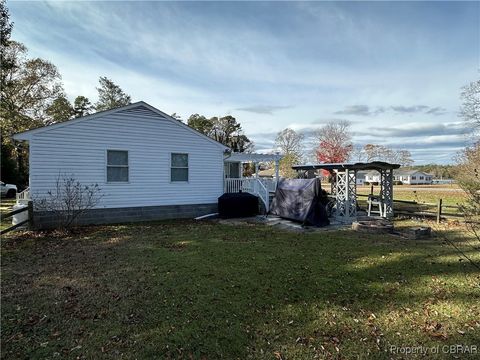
[[404, 158], [383, 153], [358, 154], [469, 180], [470, 110], [290, 142], [468, 176], [69, 200]]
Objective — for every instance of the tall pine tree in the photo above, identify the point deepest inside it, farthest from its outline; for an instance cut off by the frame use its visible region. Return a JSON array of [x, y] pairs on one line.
[[110, 95]]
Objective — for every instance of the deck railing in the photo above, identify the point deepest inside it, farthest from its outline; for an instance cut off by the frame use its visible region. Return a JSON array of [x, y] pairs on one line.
[[250, 185], [23, 197], [270, 184]]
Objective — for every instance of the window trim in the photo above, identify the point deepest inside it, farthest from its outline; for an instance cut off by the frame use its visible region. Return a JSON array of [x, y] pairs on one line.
[[177, 167], [118, 166]]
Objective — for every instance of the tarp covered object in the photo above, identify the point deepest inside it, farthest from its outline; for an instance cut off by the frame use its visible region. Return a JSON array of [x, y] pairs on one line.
[[300, 200]]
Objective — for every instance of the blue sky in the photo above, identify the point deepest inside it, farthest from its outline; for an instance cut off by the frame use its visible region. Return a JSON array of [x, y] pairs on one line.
[[393, 69]]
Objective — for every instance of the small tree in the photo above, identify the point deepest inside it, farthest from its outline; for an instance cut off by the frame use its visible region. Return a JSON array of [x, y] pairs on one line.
[[110, 95], [468, 179], [82, 106], [69, 200], [290, 143], [470, 110]]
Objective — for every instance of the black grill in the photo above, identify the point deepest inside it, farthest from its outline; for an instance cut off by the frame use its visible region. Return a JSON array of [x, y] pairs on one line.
[[232, 205]]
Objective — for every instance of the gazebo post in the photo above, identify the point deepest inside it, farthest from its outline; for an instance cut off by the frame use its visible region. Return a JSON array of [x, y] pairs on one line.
[[346, 195], [386, 191], [277, 163], [333, 183]]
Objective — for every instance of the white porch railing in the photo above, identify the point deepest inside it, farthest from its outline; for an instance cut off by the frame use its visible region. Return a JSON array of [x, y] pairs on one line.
[[23, 197], [250, 185], [270, 184]]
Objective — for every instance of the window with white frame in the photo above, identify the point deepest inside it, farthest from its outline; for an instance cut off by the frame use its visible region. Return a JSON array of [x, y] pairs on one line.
[[117, 166], [179, 167]]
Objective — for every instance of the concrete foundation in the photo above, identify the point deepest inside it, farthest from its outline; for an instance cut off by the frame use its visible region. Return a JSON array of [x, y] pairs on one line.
[[45, 220]]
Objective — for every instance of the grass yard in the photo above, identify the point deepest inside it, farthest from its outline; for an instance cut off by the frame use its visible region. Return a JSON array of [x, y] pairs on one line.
[[205, 290], [429, 195], [6, 206], [450, 194]]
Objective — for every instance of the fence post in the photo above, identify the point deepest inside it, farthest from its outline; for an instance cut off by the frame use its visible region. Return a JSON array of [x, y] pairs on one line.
[[439, 211], [30, 214]]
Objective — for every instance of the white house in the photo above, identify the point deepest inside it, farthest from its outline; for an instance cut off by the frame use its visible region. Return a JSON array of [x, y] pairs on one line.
[[408, 177], [147, 164], [360, 178], [372, 177], [412, 177]]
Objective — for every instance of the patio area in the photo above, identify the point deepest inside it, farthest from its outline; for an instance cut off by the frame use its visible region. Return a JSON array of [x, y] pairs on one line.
[[343, 187]]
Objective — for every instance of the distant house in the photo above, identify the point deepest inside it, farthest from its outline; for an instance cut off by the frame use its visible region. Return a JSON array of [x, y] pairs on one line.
[[408, 177], [372, 177], [361, 177], [412, 177]]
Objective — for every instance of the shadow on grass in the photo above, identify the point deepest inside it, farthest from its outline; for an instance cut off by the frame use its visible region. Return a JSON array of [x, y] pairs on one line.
[[186, 289]]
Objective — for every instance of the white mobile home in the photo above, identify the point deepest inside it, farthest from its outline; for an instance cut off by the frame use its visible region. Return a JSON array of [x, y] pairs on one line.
[[407, 177], [147, 164], [413, 177]]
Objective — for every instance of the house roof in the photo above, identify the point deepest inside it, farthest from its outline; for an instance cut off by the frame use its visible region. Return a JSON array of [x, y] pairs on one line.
[[251, 157], [27, 135], [410, 172]]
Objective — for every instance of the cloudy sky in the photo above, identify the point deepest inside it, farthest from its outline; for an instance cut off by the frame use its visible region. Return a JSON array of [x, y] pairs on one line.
[[394, 70]]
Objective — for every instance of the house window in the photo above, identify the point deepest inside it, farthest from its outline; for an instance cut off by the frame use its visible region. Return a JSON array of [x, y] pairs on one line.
[[421, 177], [117, 166], [179, 167], [414, 178]]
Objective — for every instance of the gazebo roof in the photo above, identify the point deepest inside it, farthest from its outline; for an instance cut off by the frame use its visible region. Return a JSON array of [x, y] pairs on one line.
[[250, 157], [375, 165]]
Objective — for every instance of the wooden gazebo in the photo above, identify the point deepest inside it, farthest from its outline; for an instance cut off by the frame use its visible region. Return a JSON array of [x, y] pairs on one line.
[[344, 185]]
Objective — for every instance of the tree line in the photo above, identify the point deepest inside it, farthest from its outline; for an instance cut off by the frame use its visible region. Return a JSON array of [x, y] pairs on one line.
[[333, 143]]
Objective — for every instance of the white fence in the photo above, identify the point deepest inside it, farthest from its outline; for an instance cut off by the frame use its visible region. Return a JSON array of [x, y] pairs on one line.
[[23, 197], [250, 185], [270, 184]]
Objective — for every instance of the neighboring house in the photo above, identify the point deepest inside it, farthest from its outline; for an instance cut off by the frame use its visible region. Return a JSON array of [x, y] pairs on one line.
[[360, 177], [147, 164], [412, 177], [443, 181], [408, 177], [372, 177]]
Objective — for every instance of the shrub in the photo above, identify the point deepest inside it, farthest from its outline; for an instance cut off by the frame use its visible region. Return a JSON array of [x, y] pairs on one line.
[[68, 200]]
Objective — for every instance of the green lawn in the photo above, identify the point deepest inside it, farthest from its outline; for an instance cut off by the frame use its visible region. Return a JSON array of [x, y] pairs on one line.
[[206, 290], [6, 206]]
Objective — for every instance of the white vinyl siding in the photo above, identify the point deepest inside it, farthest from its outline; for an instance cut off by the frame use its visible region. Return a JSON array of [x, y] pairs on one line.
[[117, 166], [80, 149]]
